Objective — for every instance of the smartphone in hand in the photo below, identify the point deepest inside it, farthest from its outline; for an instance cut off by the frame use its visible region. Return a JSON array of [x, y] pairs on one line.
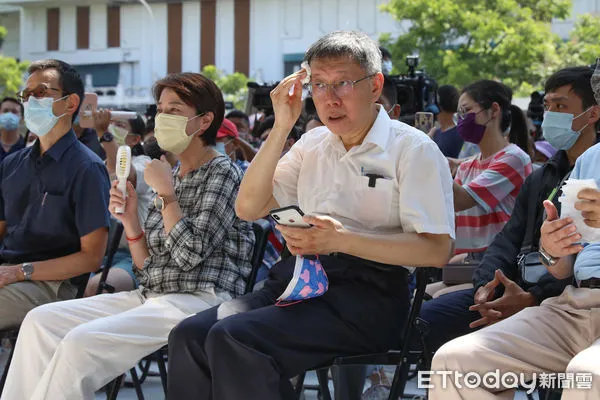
[[289, 216], [424, 121]]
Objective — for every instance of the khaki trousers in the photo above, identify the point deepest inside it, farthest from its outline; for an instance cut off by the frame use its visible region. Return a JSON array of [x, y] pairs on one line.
[[561, 335], [17, 299]]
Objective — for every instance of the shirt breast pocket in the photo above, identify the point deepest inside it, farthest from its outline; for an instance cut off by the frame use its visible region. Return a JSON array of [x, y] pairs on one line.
[[372, 206], [52, 214]]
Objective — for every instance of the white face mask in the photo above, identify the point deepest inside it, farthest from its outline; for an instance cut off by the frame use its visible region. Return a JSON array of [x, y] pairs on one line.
[[170, 132], [118, 133], [39, 117]]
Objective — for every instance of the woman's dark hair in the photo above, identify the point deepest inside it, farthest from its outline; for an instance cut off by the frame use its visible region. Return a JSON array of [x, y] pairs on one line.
[[448, 96], [487, 92], [68, 78], [197, 91], [519, 133]]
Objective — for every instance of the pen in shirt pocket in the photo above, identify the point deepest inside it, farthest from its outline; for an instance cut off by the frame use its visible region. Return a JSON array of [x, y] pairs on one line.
[[44, 199]]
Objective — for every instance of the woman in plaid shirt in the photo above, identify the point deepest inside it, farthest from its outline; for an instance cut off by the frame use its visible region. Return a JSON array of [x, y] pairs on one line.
[[193, 254]]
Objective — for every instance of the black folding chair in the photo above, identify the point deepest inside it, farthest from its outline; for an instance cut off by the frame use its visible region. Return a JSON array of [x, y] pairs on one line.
[[402, 358], [262, 228], [80, 282]]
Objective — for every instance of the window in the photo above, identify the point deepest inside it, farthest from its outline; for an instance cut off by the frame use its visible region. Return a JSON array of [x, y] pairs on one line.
[[53, 26]]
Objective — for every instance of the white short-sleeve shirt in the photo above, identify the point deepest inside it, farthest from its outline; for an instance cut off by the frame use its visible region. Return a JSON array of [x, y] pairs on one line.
[[413, 193]]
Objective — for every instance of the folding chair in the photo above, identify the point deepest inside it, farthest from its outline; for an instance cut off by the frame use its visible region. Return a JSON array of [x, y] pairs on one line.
[[262, 228], [114, 236], [402, 358]]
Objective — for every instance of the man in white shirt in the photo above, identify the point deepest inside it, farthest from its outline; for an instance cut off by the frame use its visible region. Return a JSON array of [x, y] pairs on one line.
[[378, 194]]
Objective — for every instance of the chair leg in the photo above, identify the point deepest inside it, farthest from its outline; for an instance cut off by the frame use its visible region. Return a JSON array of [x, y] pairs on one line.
[[300, 384], [324, 383], [162, 368], [144, 366], [136, 384], [113, 391], [7, 366]]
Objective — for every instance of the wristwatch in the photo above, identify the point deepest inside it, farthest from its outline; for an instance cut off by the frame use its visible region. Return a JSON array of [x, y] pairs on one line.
[[547, 259], [161, 202], [106, 137], [27, 269]]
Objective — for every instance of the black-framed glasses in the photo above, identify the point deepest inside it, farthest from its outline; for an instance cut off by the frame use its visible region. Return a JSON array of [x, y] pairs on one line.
[[341, 88], [38, 92]]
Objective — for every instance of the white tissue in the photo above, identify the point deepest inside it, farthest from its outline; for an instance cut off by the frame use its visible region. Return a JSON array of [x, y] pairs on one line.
[[570, 190], [307, 69]]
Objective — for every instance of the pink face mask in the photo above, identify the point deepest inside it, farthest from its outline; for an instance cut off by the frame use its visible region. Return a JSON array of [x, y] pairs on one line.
[[309, 280]]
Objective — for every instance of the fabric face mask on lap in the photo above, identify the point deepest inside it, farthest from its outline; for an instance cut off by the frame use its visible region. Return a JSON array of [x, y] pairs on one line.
[[308, 281]]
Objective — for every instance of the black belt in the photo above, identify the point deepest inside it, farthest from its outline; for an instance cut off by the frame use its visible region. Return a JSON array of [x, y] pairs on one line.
[[592, 283]]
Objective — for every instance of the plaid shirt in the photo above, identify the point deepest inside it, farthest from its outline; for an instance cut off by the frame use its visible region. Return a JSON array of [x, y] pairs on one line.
[[210, 247]]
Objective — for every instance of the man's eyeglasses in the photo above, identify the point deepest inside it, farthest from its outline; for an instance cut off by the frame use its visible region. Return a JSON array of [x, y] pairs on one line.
[[39, 92], [341, 89]]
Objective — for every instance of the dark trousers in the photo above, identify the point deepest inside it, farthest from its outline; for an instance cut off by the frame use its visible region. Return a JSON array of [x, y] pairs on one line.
[[253, 354], [448, 317]]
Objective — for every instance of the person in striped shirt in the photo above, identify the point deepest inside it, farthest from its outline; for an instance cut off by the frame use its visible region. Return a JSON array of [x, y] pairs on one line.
[[486, 186]]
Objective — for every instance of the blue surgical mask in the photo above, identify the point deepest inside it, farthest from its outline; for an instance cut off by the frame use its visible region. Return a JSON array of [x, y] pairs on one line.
[[220, 147], [558, 129], [9, 121], [39, 117]]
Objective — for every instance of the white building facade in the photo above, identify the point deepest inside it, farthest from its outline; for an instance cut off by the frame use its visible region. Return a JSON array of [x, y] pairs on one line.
[[124, 47], [264, 39]]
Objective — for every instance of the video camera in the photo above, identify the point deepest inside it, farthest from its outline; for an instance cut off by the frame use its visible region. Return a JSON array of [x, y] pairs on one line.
[[535, 111], [416, 91], [259, 98]]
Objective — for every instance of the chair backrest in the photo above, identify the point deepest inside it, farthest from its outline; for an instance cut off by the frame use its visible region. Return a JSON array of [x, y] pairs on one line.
[[262, 228], [115, 232]]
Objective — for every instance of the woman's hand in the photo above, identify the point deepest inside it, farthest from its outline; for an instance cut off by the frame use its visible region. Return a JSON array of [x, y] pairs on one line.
[[159, 176], [129, 218]]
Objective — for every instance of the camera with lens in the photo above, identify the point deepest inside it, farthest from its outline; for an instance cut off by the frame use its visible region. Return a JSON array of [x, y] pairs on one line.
[[259, 98], [535, 111], [416, 91]]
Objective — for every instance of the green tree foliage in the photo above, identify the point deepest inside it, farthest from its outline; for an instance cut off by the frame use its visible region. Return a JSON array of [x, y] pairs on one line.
[[11, 76], [233, 85], [460, 41], [583, 47]]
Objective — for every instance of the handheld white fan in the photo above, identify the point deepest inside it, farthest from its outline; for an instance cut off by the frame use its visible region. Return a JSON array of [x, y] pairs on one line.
[[123, 168]]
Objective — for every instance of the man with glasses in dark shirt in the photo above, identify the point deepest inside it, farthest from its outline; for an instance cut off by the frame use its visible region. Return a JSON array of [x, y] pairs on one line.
[[53, 199]]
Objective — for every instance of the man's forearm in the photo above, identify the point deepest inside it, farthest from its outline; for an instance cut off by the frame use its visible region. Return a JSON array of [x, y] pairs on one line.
[[247, 149], [405, 249], [66, 267]]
